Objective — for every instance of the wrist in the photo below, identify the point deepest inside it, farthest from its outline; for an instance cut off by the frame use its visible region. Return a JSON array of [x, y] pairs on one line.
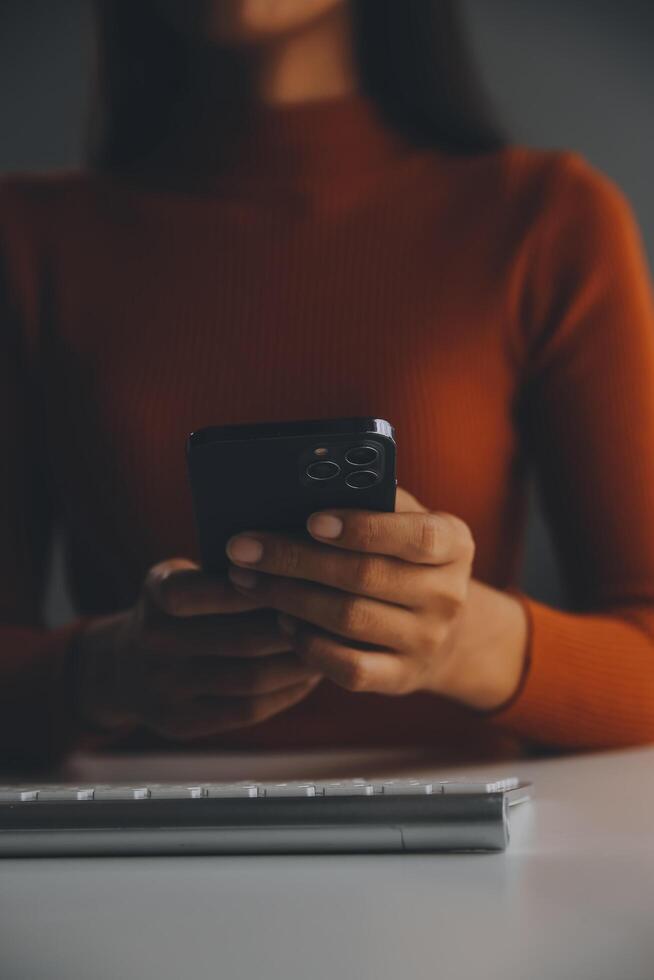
[[489, 657]]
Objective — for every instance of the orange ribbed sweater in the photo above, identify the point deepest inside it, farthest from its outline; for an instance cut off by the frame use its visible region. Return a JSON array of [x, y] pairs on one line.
[[496, 309]]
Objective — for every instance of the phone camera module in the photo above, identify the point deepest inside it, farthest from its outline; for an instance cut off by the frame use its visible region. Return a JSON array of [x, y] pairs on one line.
[[361, 479], [324, 470], [362, 455]]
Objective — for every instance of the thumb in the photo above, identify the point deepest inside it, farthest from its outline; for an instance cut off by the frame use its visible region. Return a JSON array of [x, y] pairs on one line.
[[405, 501], [179, 587]]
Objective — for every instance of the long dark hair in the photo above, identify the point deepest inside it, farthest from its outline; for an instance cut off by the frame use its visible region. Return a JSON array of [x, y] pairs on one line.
[[414, 59]]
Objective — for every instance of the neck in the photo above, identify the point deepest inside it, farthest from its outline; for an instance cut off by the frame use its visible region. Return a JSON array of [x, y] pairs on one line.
[[312, 64], [290, 108]]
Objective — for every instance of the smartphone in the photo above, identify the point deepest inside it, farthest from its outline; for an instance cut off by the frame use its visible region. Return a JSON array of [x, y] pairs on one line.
[[271, 476]]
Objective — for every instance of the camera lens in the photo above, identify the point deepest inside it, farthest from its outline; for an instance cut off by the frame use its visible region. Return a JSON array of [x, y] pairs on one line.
[[324, 470], [362, 455], [361, 479]]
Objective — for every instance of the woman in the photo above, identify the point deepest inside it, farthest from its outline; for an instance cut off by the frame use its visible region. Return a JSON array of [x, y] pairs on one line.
[[301, 209]]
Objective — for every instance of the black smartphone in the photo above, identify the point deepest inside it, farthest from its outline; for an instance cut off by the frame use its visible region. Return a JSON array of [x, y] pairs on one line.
[[271, 476]]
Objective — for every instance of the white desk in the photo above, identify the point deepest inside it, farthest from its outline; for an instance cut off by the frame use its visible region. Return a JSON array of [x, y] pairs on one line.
[[572, 898]]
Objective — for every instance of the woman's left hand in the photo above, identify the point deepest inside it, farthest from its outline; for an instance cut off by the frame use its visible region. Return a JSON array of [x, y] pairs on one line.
[[375, 602]]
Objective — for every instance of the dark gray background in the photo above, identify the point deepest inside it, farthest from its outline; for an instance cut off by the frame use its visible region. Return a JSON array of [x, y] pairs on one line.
[[565, 73]]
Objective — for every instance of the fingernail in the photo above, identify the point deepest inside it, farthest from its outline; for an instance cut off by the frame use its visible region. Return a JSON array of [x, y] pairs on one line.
[[286, 624], [325, 525], [242, 548], [243, 577]]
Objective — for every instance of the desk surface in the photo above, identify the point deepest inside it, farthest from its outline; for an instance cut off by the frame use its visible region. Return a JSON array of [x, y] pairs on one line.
[[571, 899]]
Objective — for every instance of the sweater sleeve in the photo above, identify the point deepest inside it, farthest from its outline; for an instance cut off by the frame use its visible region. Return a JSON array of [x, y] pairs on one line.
[[586, 315], [37, 713]]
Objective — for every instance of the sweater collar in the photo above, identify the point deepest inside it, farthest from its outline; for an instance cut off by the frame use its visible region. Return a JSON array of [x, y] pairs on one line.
[[334, 137], [309, 143]]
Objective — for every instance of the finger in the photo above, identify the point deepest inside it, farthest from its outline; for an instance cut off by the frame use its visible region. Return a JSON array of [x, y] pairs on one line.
[[376, 576], [430, 538], [405, 501], [237, 678], [178, 587], [420, 538], [347, 615], [374, 671], [204, 717], [255, 634]]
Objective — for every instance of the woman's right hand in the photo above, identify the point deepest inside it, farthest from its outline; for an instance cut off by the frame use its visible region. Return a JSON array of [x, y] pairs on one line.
[[191, 659]]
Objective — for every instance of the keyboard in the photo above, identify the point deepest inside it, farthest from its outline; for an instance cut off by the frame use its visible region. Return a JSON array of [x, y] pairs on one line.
[[352, 815]]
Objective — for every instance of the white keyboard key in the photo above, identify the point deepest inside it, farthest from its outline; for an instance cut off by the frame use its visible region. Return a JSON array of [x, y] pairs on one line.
[[479, 786], [16, 794], [289, 789], [405, 787], [231, 790], [122, 793], [345, 788], [245, 789], [504, 785], [65, 793], [161, 791]]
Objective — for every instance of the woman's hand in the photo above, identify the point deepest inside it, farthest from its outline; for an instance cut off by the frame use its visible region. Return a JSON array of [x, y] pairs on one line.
[[385, 603], [192, 658]]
